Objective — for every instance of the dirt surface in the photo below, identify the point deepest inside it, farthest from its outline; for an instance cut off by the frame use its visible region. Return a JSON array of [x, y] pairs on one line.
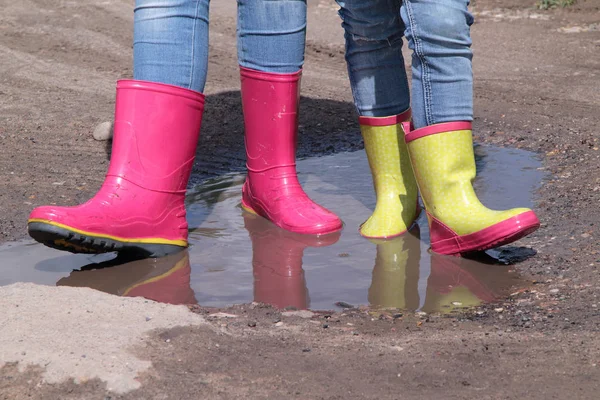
[[537, 77]]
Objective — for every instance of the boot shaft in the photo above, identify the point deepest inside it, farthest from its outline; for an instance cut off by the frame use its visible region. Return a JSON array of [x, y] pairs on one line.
[[157, 128], [444, 164], [270, 102]]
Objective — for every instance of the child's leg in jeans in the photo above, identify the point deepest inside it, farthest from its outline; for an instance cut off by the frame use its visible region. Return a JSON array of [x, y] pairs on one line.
[[272, 35], [271, 39], [140, 208], [373, 31], [438, 32], [441, 148], [170, 42]]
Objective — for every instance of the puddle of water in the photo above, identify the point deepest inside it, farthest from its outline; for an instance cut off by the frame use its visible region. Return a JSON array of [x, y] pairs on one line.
[[238, 258]]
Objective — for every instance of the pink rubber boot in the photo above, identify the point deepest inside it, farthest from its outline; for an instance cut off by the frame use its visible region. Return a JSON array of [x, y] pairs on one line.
[[140, 207], [272, 189]]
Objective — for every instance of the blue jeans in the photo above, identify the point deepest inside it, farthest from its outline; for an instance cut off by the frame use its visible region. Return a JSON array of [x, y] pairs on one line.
[[170, 43], [438, 33]]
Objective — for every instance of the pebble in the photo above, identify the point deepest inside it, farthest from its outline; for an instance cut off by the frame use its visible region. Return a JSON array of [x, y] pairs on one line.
[[252, 324], [222, 315], [302, 314], [343, 304], [554, 291], [104, 131], [279, 323]]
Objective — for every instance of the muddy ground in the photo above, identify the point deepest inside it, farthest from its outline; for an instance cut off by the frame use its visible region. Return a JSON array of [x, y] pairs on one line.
[[537, 88]]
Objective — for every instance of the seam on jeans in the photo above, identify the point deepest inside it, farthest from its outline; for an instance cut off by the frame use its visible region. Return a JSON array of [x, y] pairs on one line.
[[240, 41], [370, 110], [193, 54], [352, 80], [424, 66]]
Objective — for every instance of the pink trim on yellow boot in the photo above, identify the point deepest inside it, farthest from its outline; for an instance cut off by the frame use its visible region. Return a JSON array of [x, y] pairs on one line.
[[434, 129], [445, 241], [386, 121]]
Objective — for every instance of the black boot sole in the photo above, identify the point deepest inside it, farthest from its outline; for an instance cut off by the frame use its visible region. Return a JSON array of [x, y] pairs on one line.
[[61, 238]]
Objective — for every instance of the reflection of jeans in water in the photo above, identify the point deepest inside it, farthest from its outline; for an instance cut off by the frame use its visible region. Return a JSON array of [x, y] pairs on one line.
[[171, 39], [438, 32]]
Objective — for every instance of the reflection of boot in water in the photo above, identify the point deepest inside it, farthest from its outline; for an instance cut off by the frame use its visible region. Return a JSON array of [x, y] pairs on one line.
[[277, 262], [456, 283], [166, 280], [396, 273]]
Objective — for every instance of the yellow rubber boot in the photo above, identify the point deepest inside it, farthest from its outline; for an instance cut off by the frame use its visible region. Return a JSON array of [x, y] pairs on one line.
[[395, 282], [393, 178], [444, 164]]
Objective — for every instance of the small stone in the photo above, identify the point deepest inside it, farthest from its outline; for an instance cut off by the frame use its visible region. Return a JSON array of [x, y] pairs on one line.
[[104, 131], [499, 310], [554, 291], [355, 333], [306, 350], [325, 326], [252, 324], [302, 314], [222, 315], [343, 304], [148, 319], [279, 324]]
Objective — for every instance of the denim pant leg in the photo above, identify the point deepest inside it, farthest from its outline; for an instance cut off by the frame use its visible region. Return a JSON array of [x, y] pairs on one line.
[[373, 32], [438, 32], [170, 42], [272, 35]]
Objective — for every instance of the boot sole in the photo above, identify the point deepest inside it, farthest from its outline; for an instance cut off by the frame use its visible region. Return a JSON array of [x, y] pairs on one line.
[[61, 238], [494, 236]]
